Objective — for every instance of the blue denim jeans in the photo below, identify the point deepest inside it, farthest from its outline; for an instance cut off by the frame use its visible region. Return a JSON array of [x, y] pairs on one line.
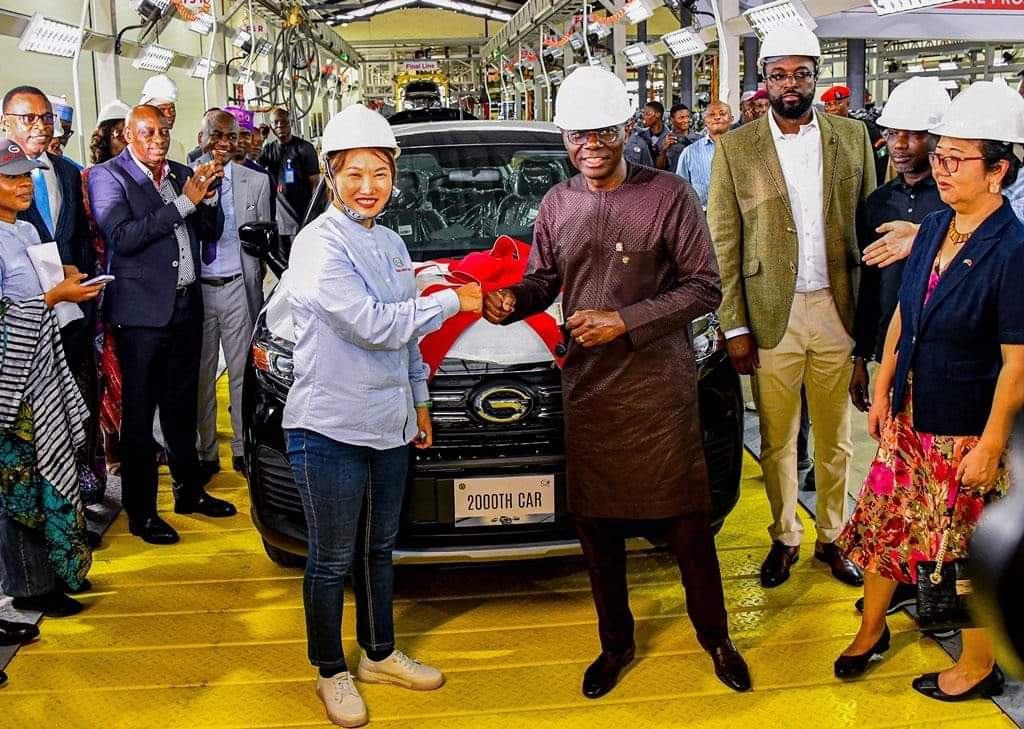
[[352, 497], [25, 569]]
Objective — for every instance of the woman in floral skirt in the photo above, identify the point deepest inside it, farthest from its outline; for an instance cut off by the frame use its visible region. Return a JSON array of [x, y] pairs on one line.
[[950, 384]]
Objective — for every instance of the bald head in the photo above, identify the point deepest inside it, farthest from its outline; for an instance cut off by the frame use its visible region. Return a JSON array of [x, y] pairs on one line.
[[148, 134]]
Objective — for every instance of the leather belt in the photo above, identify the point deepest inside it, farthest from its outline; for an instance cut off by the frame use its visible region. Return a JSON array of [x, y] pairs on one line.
[[220, 281]]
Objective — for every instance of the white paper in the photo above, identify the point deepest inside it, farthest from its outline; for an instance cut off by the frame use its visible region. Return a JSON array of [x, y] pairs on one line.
[[46, 261]]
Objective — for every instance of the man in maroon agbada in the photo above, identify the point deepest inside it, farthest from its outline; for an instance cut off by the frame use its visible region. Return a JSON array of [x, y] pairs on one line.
[[630, 249]]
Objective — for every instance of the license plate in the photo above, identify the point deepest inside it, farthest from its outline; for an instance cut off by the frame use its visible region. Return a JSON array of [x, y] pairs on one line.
[[504, 501]]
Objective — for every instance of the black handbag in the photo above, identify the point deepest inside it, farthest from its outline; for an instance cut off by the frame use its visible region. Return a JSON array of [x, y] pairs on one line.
[[943, 588]]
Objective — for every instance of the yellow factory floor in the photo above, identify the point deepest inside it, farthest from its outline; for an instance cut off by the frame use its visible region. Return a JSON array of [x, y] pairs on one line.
[[210, 633]]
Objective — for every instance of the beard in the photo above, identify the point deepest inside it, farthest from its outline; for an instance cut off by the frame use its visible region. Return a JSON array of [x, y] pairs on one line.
[[793, 111]]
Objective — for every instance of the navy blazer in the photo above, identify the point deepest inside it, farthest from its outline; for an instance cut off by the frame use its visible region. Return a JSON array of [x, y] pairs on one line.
[[138, 227], [952, 343]]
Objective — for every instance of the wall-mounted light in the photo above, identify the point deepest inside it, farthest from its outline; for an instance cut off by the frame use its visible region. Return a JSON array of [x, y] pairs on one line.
[[684, 43], [263, 47], [779, 14], [43, 35], [154, 58], [638, 11], [599, 29], [151, 10], [203, 24], [242, 40], [202, 68], [639, 54]]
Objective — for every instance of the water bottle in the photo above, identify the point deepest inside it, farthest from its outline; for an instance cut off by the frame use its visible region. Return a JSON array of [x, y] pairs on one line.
[[289, 172]]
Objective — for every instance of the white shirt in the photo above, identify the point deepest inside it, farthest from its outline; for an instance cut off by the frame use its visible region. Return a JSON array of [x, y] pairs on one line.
[[803, 170], [802, 167]]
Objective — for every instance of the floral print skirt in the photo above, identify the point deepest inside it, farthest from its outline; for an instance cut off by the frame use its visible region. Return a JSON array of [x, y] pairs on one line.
[[901, 511]]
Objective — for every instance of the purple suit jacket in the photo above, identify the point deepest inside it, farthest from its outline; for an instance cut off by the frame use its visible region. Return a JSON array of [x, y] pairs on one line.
[[138, 227]]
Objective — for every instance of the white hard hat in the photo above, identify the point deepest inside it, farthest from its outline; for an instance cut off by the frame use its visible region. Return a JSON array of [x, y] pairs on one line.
[[357, 127], [116, 110], [159, 88], [916, 105], [591, 98], [789, 41], [986, 110]]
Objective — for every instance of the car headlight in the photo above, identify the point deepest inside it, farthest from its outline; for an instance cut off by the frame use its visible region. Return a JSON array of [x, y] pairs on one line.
[[272, 358], [707, 338]]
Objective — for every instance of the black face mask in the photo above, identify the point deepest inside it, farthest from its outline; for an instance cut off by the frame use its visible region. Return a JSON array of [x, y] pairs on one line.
[[795, 111]]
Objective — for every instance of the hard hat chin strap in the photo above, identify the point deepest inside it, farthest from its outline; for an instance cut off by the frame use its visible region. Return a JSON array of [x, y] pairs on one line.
[[349, 212]]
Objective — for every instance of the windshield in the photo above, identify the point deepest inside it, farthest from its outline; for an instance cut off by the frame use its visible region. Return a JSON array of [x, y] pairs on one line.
[[453, 200]]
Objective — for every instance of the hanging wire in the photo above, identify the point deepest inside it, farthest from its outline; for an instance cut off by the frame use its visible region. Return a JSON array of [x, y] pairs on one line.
[[586, 25]]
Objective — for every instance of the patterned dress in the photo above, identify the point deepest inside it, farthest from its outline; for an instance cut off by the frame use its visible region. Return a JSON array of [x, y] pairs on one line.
[[901, 511]]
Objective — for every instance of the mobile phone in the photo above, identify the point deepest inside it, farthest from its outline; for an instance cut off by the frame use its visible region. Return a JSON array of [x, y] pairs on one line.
[[101, 279]]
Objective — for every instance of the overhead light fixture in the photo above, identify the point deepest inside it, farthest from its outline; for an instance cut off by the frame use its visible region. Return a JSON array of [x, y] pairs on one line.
[[953, 65], [684, 43], [639, 54], [779, 14], [154, 58], [243, 76], [202, 68], [151, 10], [379, 8], [203, 24], [468, 8], [891, 7], [599, 29], [242, 40], [576, 41], [915, 68], [638, 11], [263, 47], [43, 35]]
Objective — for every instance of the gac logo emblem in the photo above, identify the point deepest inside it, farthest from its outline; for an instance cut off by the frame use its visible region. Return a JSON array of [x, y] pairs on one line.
[[502, 404]]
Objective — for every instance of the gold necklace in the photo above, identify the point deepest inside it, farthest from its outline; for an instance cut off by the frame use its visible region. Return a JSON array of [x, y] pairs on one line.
[[955, 236]]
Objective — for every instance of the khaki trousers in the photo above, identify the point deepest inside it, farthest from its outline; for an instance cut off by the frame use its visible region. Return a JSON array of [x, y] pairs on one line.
[[815, 352]]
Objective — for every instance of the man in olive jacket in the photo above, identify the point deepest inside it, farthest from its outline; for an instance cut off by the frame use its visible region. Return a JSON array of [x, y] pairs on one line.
[[784, 197]]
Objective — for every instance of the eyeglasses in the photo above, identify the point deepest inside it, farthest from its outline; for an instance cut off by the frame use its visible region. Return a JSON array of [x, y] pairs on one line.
[[800, 77], [30, 119], [608, 135], [948, 163]]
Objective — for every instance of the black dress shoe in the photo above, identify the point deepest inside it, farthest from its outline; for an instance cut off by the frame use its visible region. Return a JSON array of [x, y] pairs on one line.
[[853, 666], [93, 539], [17, 633], [238, 463], [153, 530], [53, 604], [775, 569], [904, 596], [992, 685], [842, 568], [3, 678], [203, 503], [602, 675], [730, 667]]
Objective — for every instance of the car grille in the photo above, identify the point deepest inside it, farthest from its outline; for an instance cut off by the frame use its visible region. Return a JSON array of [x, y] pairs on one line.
[[279, 492], [460, 434]]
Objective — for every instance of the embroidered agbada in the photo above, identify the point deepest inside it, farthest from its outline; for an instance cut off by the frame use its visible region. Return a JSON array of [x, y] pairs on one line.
[[633, 434]]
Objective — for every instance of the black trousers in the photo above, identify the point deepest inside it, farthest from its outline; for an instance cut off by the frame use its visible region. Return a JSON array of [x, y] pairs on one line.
[[160, 367], [691, 542]]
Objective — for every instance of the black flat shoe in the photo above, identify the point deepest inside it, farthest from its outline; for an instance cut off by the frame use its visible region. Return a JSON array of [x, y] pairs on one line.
[[204, 504], [992, 685], [602, 675], [904, 597], [853, 666], [17, 633], [93, 539], [153, 530], [730, 667], [53, 605]]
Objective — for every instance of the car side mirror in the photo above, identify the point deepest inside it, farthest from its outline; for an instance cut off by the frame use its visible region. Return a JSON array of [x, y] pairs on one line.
[[259, 238]]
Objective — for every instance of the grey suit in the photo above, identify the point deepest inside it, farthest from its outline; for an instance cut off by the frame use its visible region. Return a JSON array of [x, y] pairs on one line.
[[231, 307]]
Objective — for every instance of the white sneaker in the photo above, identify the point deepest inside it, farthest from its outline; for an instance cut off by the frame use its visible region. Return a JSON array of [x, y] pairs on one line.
[[400, 670], [344, 705]]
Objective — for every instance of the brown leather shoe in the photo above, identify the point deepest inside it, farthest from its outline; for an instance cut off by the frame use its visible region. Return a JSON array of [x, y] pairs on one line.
[[775, 569], [842, 569]]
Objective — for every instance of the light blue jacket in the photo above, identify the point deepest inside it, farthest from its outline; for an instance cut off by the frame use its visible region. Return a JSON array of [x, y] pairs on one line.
[[358, 319]]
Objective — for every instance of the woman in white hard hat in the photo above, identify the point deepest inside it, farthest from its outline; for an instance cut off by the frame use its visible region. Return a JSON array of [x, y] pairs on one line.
[[956, 342], [360, 398]]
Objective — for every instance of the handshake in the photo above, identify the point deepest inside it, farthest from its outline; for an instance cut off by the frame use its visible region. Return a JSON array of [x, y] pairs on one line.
[[496, 306]]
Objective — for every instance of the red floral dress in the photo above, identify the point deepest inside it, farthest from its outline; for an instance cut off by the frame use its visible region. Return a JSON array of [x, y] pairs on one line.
[[901, 511]]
